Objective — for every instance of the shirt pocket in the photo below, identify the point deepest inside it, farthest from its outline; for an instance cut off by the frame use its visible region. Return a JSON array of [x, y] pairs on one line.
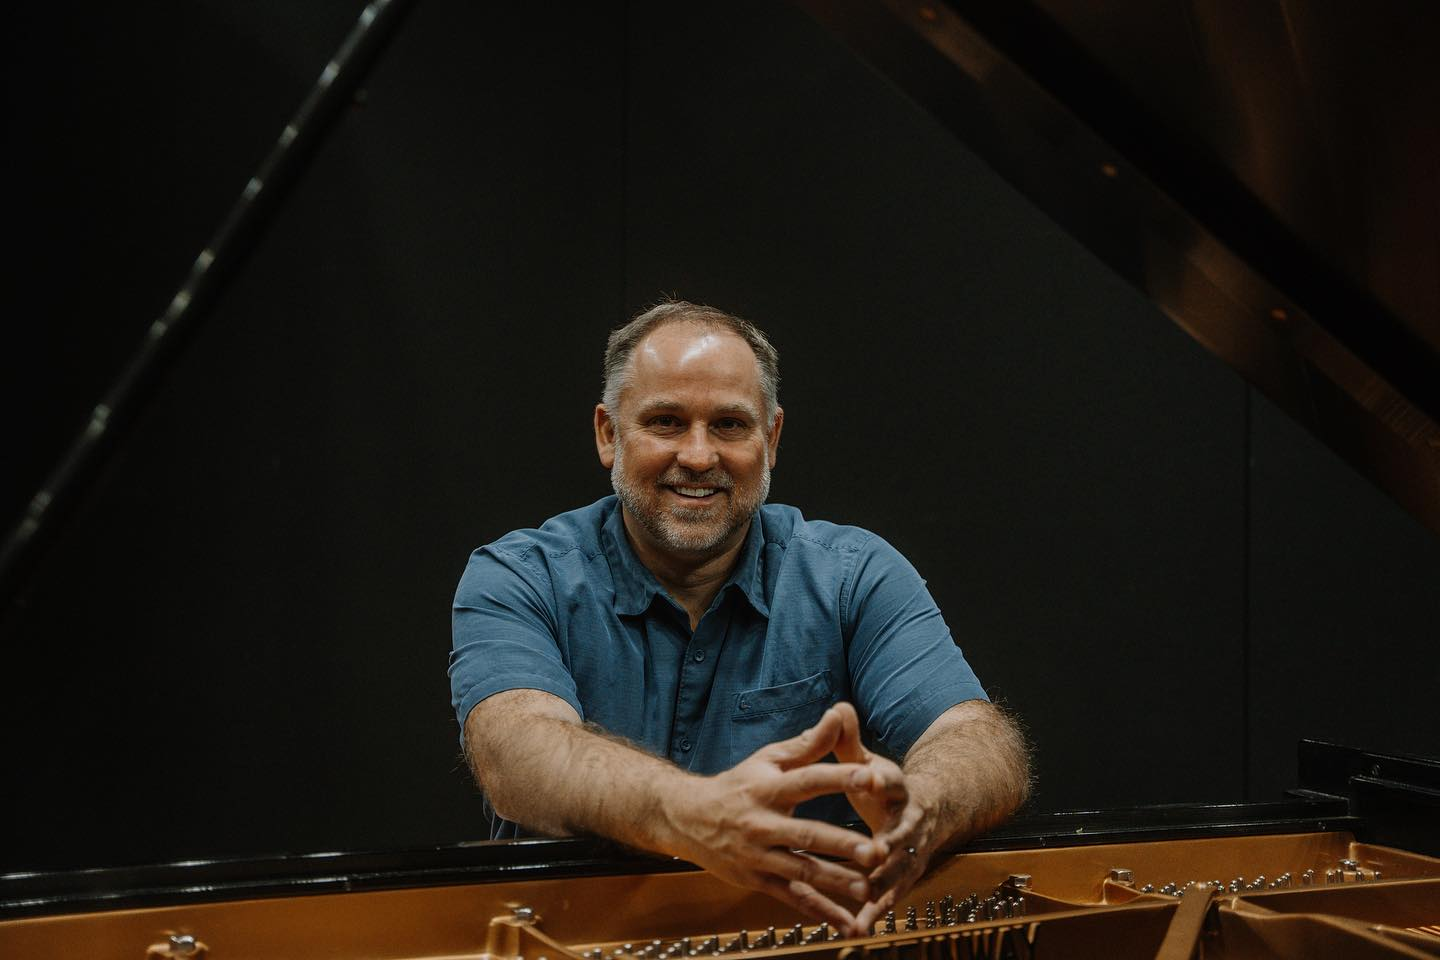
[[767, 714]]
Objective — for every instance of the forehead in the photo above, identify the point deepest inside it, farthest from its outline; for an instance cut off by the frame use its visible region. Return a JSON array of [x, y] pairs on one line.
[[688, 359]]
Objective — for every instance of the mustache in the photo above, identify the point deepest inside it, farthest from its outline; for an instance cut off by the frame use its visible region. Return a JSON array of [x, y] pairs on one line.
[[718, 479]]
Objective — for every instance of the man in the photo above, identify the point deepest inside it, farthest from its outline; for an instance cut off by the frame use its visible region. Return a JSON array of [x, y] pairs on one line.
[[725, 642]]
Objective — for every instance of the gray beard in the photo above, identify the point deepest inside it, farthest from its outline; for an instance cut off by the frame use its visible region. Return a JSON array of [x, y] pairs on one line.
[[671, 528]]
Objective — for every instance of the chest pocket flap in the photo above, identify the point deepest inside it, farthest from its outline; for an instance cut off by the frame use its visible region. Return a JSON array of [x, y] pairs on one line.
[[767, 701]]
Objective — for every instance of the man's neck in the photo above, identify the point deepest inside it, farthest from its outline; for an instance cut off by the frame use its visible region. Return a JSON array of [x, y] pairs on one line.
[[692, 581]]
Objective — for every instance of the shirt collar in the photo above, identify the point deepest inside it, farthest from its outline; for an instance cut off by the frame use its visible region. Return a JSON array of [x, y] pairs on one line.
[[636, 587]]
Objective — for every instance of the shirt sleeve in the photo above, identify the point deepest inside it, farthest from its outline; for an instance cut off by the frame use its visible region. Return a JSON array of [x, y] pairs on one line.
[[504, 634], [905, 668]]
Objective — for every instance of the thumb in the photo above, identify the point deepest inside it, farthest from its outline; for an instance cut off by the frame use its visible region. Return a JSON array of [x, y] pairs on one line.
[[807, 747], [848, 746]]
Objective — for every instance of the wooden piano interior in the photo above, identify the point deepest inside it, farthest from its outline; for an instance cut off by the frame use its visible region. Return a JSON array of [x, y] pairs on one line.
[[1289, 895]]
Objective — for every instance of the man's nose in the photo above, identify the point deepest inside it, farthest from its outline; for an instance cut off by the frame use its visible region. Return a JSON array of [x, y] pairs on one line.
[[697, 449]]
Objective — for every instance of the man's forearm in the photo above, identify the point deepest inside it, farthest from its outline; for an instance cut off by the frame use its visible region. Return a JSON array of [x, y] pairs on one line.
[[969, 771], [540, 767]]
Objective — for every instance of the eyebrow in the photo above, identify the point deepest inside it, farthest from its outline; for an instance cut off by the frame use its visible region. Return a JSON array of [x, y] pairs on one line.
[[744, 409], [724, 410]]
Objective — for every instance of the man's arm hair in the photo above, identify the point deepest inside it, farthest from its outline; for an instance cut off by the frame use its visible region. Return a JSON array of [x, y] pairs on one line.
[[541, 767], [971, 769]]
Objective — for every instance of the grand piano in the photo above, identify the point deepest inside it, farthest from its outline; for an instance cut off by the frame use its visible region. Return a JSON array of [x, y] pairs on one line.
[[1330, 328]]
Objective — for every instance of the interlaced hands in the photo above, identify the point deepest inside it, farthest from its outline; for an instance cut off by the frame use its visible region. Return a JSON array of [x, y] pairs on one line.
[[740, 826]]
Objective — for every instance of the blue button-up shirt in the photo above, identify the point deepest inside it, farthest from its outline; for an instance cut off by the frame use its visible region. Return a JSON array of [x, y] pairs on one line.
[[813, 613]]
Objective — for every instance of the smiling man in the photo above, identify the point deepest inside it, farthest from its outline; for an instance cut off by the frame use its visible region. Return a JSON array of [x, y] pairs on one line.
[[668, 666]]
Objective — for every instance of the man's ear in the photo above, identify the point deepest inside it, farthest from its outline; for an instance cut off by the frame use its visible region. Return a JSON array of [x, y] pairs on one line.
[[604, 436], [773, 440]]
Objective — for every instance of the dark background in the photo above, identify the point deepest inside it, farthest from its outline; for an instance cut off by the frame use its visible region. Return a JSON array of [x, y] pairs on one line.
[[237, 644]]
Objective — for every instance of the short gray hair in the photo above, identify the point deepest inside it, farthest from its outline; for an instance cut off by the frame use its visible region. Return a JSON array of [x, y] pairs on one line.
[[624, 339]]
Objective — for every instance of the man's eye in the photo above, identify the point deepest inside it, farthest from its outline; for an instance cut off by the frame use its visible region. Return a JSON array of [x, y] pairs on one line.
[[731, 425], [664, 420]]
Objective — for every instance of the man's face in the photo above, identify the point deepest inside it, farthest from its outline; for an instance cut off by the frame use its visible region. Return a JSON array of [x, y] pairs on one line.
[[689, 452]]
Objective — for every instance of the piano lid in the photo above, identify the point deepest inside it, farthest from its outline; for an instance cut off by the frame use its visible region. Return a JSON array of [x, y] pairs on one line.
[[1268, 173]]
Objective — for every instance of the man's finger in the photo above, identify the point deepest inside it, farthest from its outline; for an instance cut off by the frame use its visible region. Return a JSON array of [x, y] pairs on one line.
[[889, 882], [809, 901], [848, 746], [900, 869], [834, 880], [871, 912], [816, 836], [806, 747], [891, 873], [815, 780], [902, 829], [885, 783]]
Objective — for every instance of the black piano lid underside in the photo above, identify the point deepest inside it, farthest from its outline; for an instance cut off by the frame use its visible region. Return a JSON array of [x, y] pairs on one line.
[[1288, 276]]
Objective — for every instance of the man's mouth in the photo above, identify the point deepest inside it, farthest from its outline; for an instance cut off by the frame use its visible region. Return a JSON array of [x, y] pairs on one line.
[[696, 493]]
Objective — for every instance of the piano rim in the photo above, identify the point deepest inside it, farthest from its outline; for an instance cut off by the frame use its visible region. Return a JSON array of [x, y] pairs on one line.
[[46, 893]]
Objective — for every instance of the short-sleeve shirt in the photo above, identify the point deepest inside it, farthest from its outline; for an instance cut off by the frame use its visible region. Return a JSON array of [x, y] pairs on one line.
[[812, 614]]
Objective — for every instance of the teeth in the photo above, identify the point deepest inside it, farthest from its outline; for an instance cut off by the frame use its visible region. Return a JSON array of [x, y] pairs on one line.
[[695, 491]]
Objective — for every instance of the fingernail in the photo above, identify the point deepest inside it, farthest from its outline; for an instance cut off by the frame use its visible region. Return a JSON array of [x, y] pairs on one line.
[[860, 778], [858, 889], [863, 852]]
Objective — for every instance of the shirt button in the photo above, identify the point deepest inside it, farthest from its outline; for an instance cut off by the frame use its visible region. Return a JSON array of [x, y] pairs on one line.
[[699, 655], [744, 705], [684, 744]]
